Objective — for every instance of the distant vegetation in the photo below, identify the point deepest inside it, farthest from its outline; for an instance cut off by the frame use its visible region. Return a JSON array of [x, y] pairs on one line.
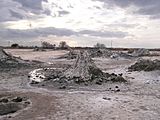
[[99, 45], [63, 45], [48, 45], [15, 45]]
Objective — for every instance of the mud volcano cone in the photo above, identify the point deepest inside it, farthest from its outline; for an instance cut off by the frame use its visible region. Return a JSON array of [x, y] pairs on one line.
[[84, 68], [83, 72]]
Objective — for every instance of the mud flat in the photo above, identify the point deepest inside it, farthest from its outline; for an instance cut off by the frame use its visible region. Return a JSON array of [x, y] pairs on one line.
[[139, 99]]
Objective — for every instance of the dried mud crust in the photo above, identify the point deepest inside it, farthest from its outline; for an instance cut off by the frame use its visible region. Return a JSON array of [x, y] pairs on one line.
[[145, 65], [12, 64], [37, 105], [11, 104]]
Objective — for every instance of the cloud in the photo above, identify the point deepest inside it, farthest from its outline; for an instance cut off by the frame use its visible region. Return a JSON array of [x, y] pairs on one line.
[[16, 14], [31, 4], [59, 32], [13, 10], [145, 7], [106, 34], [122, 25], [127, 3], [33, 33], [63, 12], [5, 10]]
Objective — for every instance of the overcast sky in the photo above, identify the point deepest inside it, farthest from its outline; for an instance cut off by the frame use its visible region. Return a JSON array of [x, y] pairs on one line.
[[127, 23]]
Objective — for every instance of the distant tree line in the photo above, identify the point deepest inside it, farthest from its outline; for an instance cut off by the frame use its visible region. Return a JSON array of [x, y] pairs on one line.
[[45, 45], [61, 45]]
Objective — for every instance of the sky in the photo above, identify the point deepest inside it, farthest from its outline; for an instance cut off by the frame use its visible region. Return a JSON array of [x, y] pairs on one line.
[[124, 23]]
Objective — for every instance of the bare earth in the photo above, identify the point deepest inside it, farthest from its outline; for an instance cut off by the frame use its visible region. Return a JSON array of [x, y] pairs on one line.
[[139, 99]]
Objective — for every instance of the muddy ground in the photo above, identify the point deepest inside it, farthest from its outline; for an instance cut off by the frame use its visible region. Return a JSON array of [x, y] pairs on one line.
[[139, 99]]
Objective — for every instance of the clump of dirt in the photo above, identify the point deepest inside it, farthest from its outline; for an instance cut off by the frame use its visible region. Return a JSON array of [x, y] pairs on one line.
[[145, 65], [83, 72], [10, 104]]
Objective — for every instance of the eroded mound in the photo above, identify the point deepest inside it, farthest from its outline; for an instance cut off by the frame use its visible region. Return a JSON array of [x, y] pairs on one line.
[[83, 72], [9, 104], [145, 65]]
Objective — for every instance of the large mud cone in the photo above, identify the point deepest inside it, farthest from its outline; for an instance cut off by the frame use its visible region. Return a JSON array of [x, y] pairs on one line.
[[84, 71], [83, 68]]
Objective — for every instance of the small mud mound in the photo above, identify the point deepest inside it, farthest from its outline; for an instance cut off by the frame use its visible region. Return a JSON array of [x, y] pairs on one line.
[[124, 55], [100, 53], [10, 104], [38, 49], [145, 65], [83, 72], [104, 53], [94, 53], [72, 54], [140, 52]]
